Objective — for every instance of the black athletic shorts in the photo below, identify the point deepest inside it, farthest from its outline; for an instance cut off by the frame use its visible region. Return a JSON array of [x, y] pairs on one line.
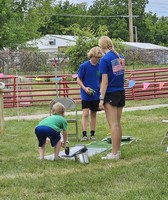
[[116, 99], [92, 105]]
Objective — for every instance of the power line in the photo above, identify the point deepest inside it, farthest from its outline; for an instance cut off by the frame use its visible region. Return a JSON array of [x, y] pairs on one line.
[[95, 16]]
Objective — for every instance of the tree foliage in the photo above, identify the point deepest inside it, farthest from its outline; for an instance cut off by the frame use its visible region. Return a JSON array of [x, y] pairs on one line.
[[23, 20], [78, 53], [20, 21], [86, 39]]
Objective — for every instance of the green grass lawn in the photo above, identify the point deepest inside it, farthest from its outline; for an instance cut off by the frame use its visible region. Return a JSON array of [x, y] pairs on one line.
[[44, 108], [141, 174]]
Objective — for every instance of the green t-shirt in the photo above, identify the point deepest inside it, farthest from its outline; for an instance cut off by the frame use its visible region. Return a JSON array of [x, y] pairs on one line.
[[56, 122]]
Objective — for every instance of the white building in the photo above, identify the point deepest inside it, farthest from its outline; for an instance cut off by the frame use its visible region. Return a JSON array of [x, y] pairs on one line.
[[140, 45], [51, 43], [153, 53]]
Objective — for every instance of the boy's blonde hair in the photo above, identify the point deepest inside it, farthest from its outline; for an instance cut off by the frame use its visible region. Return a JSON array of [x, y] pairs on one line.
[[96, 52], [106, 43], [58, 108]]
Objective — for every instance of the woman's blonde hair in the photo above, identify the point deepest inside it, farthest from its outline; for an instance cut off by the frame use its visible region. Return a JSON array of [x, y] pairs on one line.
[[106, 43], [95, 52], [58, 108]]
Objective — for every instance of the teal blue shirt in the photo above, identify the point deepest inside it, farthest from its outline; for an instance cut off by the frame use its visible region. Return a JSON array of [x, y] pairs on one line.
[[56, 122]]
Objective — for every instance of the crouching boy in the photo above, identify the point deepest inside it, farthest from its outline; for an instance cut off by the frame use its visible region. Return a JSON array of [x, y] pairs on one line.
[[50, 127]]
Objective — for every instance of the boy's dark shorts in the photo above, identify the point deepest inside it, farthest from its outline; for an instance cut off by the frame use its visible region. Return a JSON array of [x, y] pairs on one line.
[[92, 105], [42, 132], [116, 99]]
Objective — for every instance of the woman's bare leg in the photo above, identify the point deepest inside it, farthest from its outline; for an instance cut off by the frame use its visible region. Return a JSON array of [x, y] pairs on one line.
[[113, 115]]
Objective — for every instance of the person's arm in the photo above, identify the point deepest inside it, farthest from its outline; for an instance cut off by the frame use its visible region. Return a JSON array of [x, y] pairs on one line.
[[80, 83], [103, 88], [64, 134]]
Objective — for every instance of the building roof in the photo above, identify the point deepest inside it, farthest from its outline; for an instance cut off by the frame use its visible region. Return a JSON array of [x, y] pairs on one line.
[[138, 45], [50, 43]]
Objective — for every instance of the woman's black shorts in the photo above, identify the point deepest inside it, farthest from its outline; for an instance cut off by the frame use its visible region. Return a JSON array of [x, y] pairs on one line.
[[116, 99]]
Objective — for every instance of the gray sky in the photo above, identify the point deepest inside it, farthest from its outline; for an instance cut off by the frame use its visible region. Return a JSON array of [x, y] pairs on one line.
[[160, 7]]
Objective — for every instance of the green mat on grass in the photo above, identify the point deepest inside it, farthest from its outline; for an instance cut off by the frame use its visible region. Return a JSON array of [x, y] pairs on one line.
[[99, 144], [106, 142]]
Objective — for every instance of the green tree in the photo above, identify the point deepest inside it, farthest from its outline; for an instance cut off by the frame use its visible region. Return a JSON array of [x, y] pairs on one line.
[[146, 28], [86, 39], [161, 34], [117, 10], [20, 21], [65, 14], [78, 54]]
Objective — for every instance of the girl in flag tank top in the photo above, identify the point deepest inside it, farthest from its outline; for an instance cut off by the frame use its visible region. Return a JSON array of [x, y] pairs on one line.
[[112, 93]]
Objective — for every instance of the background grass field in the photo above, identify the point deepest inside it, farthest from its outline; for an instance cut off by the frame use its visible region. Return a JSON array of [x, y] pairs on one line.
[[44, 108], [141, 174]]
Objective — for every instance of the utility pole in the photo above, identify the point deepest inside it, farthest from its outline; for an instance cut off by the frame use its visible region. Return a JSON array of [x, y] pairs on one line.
[[136, 37], [131, 37]]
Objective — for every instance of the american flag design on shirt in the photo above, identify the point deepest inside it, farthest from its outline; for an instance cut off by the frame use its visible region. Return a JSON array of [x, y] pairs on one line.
[[117, 68]]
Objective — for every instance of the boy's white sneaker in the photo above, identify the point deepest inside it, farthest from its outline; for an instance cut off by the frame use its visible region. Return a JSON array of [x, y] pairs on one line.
[[111, 156]]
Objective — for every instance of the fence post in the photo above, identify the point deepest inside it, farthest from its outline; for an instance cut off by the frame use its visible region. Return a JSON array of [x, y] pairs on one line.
[[1, 112]]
